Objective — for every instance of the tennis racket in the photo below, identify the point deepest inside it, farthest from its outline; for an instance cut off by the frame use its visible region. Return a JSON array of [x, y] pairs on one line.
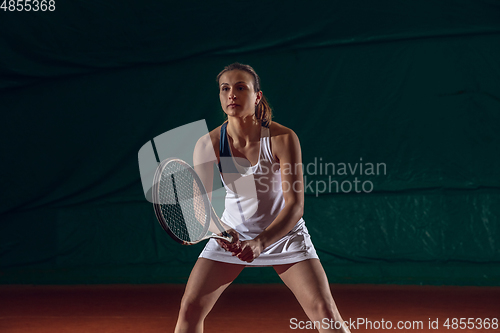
[[182, 206]]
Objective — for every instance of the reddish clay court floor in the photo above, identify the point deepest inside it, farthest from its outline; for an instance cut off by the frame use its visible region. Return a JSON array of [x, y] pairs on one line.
[[244, 308]]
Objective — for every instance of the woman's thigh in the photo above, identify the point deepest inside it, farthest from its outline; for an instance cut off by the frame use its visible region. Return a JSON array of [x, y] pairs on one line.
[[208, 280], [307, 280]]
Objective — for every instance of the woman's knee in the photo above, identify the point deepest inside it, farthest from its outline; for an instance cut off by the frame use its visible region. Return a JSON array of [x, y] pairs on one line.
[[323, 307], [193, 309]]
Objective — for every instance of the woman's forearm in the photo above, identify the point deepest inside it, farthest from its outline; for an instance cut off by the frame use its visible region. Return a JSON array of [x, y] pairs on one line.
[[283, 224]]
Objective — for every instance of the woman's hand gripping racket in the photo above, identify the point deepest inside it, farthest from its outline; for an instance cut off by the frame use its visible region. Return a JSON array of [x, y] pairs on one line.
[[182, 206]]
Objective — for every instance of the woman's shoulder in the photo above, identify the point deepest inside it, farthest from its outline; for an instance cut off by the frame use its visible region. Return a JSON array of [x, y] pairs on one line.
[[215, 135], [209, 143], [280, 132], [283, 141]]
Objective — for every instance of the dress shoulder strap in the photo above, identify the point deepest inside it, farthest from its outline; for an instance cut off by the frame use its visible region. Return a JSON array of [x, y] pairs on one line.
[[226, 164], [265, 144]]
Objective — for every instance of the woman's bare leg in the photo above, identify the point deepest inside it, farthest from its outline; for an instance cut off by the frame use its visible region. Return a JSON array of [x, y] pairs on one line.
[[308, 282], [206, 283]]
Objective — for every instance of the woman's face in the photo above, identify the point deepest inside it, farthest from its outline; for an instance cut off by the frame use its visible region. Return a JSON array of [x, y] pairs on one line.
[[237, 95]]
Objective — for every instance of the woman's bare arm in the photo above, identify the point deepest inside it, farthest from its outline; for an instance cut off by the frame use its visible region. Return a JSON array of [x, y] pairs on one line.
[[286, 147]]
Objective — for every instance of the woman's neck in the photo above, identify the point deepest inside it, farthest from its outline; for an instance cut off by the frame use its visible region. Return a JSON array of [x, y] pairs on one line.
[[244, 130]]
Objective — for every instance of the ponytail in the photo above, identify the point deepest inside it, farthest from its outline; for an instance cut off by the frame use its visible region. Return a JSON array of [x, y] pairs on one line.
[[263, 112]]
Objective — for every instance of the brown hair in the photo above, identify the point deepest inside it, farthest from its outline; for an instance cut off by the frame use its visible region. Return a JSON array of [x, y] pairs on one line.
[[263, 110]]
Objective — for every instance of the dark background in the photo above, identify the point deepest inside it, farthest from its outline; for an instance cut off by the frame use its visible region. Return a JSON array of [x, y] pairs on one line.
[[412, 84]]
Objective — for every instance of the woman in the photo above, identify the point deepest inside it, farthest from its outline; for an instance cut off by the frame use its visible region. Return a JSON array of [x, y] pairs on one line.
[[267, 221]]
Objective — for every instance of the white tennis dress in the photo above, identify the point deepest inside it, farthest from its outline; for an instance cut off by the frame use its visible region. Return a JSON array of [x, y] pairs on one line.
[[252, 203]]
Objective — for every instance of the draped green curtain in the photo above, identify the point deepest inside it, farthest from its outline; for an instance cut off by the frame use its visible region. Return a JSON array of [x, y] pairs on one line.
[[396, 105]]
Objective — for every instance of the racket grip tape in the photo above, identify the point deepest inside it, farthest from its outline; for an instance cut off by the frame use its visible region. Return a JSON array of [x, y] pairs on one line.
[[225, 234]]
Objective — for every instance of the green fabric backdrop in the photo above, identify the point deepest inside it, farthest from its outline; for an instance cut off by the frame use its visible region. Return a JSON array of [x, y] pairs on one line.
[[413, 85]]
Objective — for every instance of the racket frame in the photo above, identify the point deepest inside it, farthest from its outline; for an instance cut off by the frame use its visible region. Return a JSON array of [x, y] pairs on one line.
[[209, 209]]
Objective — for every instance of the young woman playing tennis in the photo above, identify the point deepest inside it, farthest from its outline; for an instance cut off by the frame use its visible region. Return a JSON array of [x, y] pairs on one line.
[[266, 222]]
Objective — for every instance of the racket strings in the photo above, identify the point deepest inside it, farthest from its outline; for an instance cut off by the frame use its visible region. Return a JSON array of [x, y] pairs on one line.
[[182, 204]]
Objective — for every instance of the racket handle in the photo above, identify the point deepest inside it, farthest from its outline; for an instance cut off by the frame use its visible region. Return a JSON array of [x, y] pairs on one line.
[[229, 237]]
